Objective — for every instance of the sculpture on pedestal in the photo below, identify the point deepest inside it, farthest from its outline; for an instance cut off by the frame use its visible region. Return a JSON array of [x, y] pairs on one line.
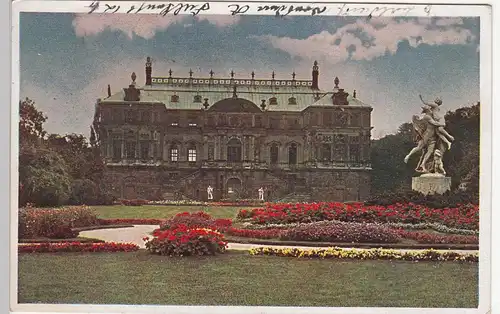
[[210, 191], [261, 194], [432, 142], [432, 138]]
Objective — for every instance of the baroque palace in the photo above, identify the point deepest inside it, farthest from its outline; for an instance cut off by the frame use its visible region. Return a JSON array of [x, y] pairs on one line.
[[175, 136]]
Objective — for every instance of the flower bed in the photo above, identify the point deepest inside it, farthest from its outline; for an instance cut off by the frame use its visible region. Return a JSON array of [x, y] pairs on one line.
[[242, 203], [430, 238], [257, 234], [330, 231], [370, 254], [185, 241], [463, 217], [76, 247], [196, 220], [420, 226], [54, 222]]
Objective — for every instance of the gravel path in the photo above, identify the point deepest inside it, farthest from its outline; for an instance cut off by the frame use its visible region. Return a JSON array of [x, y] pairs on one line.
[[136, 233]]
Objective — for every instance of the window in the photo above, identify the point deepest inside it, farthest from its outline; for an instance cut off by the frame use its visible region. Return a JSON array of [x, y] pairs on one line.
[[192, 154], [274, 122], [197, 98], [274, 153], [210, 152], [234, 150], [292, 154], [117, 150], [130, 150], [174, 154], [292, 101], [144, 150], [354, 152], [327, 119], [146, 116], [326, 152], [258, 121], [174, 98], [340, 153], [273, 101]]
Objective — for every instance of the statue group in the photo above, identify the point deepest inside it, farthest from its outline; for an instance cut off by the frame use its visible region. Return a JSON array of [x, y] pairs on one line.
[[431, 137]]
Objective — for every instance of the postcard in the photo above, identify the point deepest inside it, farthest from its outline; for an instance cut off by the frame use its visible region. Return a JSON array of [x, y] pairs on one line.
[[251, 157]]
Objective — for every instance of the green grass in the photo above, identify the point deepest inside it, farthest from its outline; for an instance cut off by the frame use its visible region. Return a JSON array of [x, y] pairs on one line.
[[163, 211], [240, 279]]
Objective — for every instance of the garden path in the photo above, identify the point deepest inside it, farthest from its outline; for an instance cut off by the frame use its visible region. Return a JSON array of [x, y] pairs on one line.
[[136, 233]]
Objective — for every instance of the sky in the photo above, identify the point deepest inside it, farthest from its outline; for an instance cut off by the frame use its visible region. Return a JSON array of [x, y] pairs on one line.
[[68, 60]]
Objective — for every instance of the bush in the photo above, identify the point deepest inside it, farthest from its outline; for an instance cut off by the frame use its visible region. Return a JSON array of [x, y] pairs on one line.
[[185, 241], [329, 231], [449, 199], [54, 223]]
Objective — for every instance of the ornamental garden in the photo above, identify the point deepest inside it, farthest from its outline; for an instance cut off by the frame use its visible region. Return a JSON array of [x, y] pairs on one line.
[[399, 249]]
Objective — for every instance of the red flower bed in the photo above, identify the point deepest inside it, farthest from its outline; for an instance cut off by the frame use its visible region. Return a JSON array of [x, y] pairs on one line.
[[464, 216], [131, 221], [76, 247], [254, 233], [328, 231], [186, 241], [432, 238], [196, 220]]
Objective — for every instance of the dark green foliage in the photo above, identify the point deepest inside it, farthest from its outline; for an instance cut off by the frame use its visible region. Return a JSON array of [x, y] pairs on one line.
[[449, 199]]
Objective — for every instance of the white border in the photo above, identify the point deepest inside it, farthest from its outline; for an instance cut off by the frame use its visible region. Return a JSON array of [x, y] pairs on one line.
[[485, 157]]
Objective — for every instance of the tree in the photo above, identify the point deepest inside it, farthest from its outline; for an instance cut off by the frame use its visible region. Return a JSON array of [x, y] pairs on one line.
[[44, 177], [31, 122]]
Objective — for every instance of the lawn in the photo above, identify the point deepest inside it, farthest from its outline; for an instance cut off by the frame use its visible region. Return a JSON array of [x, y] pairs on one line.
[[240, 279], [163, 211]]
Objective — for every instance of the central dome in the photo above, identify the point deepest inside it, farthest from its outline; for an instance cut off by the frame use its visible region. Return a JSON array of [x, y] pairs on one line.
[[235, 105]]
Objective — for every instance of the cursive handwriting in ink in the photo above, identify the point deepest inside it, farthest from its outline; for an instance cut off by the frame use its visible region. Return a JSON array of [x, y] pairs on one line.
[[174, 8], [111, 7], [93, 6], [238, 9], [289, 9], [346, 10]]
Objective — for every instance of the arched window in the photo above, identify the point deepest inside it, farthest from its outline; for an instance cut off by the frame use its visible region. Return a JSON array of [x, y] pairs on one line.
[[326, 152], [292, 154], [234, 150], [174, 153], [191, 153], [274, 152]]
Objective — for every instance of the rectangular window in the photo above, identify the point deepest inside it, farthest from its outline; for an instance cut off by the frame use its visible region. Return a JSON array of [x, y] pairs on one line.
[[144, 151], [258, 121], [174, 154], [130, 150], [191, 154], [117, 150]]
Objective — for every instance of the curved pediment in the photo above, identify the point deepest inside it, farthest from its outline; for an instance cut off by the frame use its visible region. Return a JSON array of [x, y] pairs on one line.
[[234, 105]]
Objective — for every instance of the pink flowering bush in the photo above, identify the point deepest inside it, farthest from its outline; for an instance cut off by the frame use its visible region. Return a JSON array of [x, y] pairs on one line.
[[329, 231]]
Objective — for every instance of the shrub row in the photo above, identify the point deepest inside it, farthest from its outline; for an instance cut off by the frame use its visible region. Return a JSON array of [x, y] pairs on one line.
[[329, 231], [76, 247], [368, 254], [54, 223], [453, 199]]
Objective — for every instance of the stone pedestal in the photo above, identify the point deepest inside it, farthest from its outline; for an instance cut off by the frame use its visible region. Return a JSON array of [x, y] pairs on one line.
[[431, 183]]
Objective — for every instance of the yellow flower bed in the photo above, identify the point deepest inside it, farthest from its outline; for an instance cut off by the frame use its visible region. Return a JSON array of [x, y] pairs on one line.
[[369, 254]]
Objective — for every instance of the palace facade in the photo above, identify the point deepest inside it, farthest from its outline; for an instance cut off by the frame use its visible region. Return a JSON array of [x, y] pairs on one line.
[[175, 136]]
